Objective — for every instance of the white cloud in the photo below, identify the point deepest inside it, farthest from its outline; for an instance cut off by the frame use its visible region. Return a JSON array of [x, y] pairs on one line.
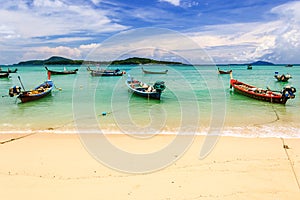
[[276, 41], [48, 3], [45, 52], [47, 18], [96, 2], [22, 24], [174, 2], [89, 46]]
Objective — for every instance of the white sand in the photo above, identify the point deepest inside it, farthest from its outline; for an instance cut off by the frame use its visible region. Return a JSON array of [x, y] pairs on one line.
[[55, 166]]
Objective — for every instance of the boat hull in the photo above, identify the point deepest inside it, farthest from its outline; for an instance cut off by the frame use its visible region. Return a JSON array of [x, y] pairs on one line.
[[224, 72], [261, 97], [253, 92], [4, 75], [147, 95], [62, 72], [116, 72], [106, 73], [27, 96], [282, 78], [143, 93], [152, 72], [9, 71]]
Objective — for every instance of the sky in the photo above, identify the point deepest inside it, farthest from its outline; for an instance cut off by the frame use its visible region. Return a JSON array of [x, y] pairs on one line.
[[226, 31]]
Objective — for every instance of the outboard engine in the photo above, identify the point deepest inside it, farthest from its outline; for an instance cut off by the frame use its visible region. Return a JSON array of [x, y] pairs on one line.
[[159, 86], [14, 91], [288, 92]]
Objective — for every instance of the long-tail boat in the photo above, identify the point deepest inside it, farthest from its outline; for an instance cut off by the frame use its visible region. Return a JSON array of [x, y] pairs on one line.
[[4, 75], [8, 70], [283, 77], [224, 72], [145, 90], [62, 72], [154, 72], [105, 72], [280, 97], [38, 92]]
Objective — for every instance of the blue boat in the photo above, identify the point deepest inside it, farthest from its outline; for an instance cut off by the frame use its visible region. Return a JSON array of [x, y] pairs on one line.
[[145, 90], [38, 92]]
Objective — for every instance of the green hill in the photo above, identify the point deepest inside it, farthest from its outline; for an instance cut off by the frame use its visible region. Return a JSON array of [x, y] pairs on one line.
[[57, 60], [54, 60], [137, 61], [261, 63]]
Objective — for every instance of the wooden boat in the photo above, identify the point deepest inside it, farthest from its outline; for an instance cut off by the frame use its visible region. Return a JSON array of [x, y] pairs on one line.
[[249, 67], [268, 95], [154, 72], [145, 90], [62, 72], [224, 72], [4, 75], [38, 92], [289, 65], [283, 77], [102, 72], [8, 71]]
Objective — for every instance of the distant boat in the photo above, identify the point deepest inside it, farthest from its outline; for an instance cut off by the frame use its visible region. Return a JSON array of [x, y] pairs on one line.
[[4, 75], [289, 65], [102, 72], [224, 72], [268, 95], [154, 72], [64, 72], [38, 92], [146, 90], [8, 71], [283, 77], [249, 66]]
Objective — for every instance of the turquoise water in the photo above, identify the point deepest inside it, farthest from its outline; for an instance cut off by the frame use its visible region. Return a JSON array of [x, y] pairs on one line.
[[196, 98]]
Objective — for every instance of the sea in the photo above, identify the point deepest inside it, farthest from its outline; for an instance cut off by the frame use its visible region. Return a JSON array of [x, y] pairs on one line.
[[196, 100]]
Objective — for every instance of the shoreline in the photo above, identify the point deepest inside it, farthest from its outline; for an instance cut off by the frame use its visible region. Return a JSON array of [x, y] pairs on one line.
[[272, 130], [58, 166]]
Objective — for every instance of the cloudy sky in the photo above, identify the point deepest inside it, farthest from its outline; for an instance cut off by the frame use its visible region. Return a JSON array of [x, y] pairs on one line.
[[229, 31]]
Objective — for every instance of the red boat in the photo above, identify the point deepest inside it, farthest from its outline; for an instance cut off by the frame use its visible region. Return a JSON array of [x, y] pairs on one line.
[[261, 94]]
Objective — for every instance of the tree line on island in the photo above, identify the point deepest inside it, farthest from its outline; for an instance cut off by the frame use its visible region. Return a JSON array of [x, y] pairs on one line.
[[57, 60]]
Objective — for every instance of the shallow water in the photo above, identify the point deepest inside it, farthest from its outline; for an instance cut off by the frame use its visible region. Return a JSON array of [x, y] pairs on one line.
[[196, 99]]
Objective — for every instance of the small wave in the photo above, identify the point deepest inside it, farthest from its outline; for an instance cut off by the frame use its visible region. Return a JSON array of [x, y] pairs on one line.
[[243, 132]]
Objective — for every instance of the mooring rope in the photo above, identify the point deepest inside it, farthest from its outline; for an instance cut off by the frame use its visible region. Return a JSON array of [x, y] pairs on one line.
[[286, 147], [17, 138], [270, 122]]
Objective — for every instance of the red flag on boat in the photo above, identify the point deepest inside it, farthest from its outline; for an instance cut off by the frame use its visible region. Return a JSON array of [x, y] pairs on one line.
[[49, 75]]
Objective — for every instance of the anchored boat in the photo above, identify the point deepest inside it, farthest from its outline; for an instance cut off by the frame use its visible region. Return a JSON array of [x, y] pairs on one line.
[[145, 90], [261, 94]]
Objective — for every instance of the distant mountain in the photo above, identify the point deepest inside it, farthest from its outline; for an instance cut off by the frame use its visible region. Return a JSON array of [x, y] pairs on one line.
[[261, 63], [54, 60], [57, 60], [137, 61]]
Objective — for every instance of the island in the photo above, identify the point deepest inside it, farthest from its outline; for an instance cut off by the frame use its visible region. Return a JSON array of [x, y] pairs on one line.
[[143, 61], [261, 63], [54, 60], [57, 60]]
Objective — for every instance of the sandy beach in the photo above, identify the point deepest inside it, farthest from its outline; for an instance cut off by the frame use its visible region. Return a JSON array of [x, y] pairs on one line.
[[57, 166]]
